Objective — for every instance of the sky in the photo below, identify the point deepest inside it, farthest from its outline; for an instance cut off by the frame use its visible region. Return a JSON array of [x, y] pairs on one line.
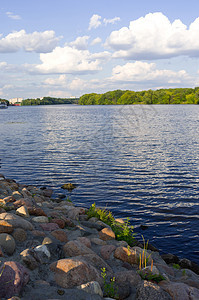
[[68, 48]]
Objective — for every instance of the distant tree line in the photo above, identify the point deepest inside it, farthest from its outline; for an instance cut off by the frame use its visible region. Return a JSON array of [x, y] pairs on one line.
[[161, 96], [50, 101], [4, 100]]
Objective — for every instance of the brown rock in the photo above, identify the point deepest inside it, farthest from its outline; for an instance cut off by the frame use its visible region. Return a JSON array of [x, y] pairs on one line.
[[75, 248], [38, 233], [106, 251], [60, 235], [73, 272], [5, 227], [179, 291], [131, 255], [49, 226], [106, 234], [126, 255], [85, 241], [21, 202], [19, 235], [36, 211], [59, 222]]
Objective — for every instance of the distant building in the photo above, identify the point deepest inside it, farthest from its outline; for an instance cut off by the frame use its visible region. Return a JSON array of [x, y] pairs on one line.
[[15, 100]]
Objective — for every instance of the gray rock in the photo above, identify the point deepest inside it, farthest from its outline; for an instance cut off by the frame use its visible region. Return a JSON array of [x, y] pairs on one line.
[[7, 242], [91, 287], [13, 278], [151, 291], [16, 221]]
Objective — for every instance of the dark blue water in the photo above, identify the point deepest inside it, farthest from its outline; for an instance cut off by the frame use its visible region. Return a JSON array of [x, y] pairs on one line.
[[142, 162]]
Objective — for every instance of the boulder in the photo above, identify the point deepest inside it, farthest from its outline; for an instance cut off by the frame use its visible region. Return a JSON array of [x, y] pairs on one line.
[[36, 211], [98, 241], [84, 241], [5, 227], [126, 255], [75, 248], [49, 226], [59, 222], [60, 235], [92, 287], [16, 221], [106, 251], [131, 255], [170, 258], [130, 276], [30, 259], [40, 219], [107, 234], [13, 278], [23, 211], [97, 262], [7, 243], [19, 235], [179, 291], [151, 291], [73, 272]]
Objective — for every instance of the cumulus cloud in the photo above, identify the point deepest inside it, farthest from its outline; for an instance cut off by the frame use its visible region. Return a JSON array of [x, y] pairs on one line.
[[69, 60], [111, 21], [139, 72], [95, 21], [81, 42], [153, 37], [96, 41], [11, 15], [40, 42], [60, 81]]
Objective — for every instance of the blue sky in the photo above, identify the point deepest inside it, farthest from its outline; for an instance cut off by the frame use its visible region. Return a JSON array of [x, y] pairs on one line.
[[68, 48]]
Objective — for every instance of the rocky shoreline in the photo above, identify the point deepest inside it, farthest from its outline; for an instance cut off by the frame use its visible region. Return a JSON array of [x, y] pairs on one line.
[[50, 249]]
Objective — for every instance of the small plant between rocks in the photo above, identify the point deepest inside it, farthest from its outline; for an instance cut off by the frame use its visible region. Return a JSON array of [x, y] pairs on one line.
[[123, 232], [144, 272], [110, 290]]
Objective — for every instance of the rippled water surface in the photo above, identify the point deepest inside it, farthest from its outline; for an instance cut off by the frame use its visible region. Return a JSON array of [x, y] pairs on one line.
[[139, 161]]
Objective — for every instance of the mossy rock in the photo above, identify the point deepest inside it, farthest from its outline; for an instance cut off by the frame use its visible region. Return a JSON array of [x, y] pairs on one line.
[[68, 186]]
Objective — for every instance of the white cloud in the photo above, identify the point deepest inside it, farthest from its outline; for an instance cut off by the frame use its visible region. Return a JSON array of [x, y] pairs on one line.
[[153, 37], [139, 72], [81, 42], [111, 21], [40, 42], [96, 41], [69, 60], [95, 21], [11, 15], [60, 81], [59, 94]]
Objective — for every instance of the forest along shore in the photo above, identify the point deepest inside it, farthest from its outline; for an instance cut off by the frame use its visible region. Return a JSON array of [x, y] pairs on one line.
[[50, 249]]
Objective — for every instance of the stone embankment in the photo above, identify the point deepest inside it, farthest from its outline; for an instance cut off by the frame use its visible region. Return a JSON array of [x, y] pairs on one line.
[[49, 249]]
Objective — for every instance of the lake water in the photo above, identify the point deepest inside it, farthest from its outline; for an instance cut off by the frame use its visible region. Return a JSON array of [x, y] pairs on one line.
[[141, 162]]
